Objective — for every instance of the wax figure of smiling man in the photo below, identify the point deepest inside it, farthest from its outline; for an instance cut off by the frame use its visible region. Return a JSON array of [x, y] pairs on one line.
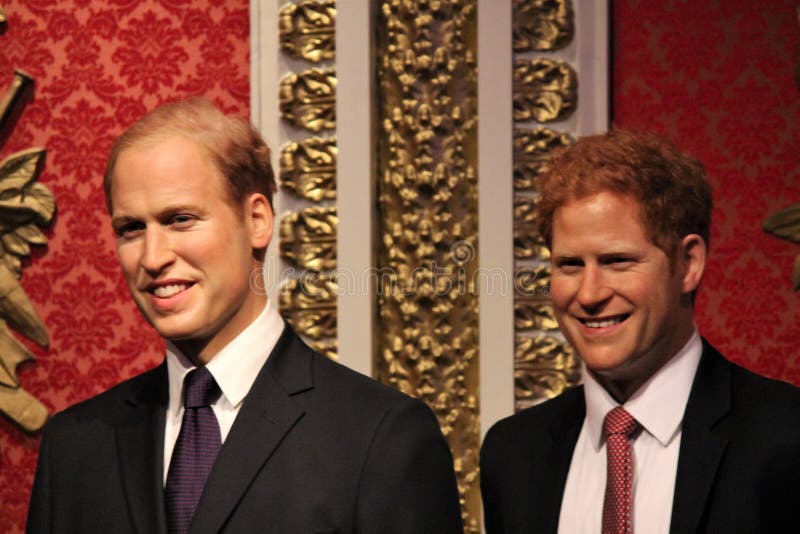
[[665, 435], [243, 428]]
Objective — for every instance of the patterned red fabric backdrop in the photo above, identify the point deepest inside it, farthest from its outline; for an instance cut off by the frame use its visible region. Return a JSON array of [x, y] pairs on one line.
[[98, 65], [717, 77]]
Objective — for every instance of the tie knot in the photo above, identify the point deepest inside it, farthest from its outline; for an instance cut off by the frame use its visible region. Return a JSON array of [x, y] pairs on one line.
[[199, 388], [619, 421]]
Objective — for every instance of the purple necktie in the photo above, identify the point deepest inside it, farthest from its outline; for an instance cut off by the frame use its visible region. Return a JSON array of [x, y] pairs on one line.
[[195, 451]]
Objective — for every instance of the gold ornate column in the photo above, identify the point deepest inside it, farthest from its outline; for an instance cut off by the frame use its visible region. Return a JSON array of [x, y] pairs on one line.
[[427, 196], [308, 173], [545, 92]]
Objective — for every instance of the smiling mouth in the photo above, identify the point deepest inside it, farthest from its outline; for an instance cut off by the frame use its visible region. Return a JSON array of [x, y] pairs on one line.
[[167, 291], [604, 323]]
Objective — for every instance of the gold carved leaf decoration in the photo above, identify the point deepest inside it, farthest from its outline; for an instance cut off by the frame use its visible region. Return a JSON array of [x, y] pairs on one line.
[[532, 151], [545, 90], [543, 368], [308, 99], [542, 25], [785, 224], [25, 206], [427, 197], [528, 244], [2, 16], [308, 238], [308, 30], [308, 168], [534, 314], [309, 304]]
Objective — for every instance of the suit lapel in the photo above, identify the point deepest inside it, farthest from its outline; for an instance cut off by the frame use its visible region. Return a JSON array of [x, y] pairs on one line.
[[267, 414], [702, 442], [140, 443], [548, 480]]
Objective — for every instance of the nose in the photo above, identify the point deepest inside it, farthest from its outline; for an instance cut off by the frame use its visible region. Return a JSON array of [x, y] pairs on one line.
[[594, 291], [158, 253]]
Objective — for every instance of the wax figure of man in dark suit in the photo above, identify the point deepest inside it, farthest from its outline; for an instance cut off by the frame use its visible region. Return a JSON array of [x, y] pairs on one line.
[[307, 445], [715, 449]]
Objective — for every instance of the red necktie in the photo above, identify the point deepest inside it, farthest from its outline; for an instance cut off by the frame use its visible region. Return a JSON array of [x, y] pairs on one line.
[[620, 426]]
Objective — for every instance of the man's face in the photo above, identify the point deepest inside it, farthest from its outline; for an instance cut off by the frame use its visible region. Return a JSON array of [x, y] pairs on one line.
[[618, 302], [185, 252]]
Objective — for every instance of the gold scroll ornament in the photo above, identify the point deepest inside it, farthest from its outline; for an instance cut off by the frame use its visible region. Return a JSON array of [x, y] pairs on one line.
[[543, 368], [308, 238], [542, 25], [309, 304], [308, 30], [545, 90], [427, 194], [308, 168], [308, 99], [528, 244], [532, 150], [25, 206]]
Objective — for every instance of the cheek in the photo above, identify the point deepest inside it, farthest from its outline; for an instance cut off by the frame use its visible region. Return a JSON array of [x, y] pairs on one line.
[[128, 260], [560, 293]]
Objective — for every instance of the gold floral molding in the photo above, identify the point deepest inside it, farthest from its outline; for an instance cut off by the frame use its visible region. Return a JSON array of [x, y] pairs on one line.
[[308, 99], [427, 194], [545, 90], [25, 207], [542, 25], [308, 30], [308, 168]]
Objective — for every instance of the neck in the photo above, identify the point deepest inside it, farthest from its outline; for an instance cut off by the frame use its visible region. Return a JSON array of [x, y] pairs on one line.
[[201, 350]]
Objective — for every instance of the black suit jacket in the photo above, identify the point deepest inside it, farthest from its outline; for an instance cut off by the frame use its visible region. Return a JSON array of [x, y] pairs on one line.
[[738, 465], [315, 447]]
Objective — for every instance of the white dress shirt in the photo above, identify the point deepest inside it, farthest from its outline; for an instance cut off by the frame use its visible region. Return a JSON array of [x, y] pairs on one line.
[[659, 406], [234, 368]]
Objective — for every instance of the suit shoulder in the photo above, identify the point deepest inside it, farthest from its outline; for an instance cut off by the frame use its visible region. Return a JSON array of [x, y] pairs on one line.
[[753, 391], [530, 421], [338, 378]]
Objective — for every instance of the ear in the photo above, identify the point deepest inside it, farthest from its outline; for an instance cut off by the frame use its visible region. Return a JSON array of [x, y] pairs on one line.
[[260, 219], [692, 251]]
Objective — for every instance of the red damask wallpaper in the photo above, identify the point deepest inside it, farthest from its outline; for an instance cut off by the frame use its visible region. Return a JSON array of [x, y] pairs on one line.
[[717, 77], [98, 65]]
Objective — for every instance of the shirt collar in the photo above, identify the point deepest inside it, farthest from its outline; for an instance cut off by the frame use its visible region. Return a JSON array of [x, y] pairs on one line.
[[236, 366], [658, 405]]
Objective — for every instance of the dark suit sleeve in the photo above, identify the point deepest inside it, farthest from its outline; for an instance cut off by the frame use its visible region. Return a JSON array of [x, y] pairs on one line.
[[489, 494], [408, 484], [39, 509]]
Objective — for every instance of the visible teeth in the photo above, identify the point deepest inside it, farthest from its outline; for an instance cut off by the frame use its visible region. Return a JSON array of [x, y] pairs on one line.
[[603, 324], [167, 291]]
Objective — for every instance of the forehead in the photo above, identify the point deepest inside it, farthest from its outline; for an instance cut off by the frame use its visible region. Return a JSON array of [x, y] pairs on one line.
[[164, 172], [599, 219]]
